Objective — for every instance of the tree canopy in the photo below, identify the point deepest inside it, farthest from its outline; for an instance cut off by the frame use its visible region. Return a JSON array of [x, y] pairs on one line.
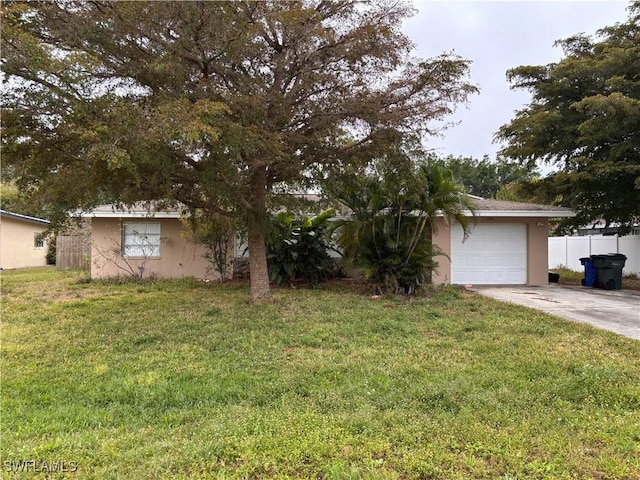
[[218, 105], [584, 118], [11, 200], [485, 177]]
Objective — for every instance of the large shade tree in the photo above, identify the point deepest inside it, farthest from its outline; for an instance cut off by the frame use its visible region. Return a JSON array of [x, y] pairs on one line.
[[585, 120], [218, 105]]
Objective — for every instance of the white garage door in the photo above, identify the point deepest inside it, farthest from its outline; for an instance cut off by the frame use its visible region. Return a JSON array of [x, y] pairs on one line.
[[493, 254]]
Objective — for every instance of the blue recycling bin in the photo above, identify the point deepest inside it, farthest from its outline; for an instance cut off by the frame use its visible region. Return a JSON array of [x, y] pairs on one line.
[[590, 272]]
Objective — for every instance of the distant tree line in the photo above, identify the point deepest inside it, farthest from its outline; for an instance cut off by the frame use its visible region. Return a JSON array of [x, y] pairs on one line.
[[485, 177]]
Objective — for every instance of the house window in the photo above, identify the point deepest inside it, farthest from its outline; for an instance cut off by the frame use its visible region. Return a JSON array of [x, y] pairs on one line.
[[38, 240], [141, 239]]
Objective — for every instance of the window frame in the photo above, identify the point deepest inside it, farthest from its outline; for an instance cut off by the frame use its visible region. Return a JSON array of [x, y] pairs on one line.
[[38, 240], [127, 245]]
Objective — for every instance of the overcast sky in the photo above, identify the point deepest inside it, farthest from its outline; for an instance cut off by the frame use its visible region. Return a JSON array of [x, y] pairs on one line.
[[497, 36]]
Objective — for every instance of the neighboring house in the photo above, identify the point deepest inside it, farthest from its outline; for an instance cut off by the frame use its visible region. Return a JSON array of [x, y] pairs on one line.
[[23, 242], [601, 228], [507, 244], [141, 241]]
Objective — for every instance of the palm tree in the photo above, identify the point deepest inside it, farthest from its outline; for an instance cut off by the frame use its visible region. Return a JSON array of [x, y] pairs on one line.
[[442, 196], [392, 219]]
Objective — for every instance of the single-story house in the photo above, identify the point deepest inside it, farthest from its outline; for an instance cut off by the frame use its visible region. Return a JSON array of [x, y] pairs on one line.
[[23, 242], [507, 245]]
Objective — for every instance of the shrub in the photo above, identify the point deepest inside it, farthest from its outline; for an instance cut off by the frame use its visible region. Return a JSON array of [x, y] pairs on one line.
[[395, 251], [216, 233], [393, 210], [51, 251], [299, 249]]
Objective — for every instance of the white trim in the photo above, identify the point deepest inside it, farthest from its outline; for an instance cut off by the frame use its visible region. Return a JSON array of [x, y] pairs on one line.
[[520, 213], [132, 214], [501, 213], [138, 211], [26, 218], [478, 213]]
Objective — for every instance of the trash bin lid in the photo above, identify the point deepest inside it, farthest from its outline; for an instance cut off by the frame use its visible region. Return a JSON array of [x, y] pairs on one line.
[[609, 256], [609, 260]]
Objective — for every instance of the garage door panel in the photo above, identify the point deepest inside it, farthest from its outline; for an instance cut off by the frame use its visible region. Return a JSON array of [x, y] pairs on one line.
[[493, 277], [513, 278], [493, 254], [479, 278], [513, 261], [476, 262]]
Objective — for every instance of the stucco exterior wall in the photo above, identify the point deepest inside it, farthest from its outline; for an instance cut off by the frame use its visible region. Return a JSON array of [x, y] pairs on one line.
[[17, 248], [178, 258], [537, 248]]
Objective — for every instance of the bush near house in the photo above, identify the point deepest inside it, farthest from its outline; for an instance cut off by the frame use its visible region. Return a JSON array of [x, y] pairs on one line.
[[51, 250], [216, 233], [298, 250], [393, 207]]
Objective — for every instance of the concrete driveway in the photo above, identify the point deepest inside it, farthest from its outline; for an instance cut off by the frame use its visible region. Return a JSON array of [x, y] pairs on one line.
[[614, 310]]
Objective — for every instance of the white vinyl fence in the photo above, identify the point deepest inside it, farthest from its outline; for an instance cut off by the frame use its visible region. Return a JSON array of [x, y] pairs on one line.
[[567, 251]]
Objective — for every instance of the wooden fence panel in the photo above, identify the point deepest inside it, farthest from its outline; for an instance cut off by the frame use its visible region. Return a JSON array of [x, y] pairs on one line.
[[73, 252]]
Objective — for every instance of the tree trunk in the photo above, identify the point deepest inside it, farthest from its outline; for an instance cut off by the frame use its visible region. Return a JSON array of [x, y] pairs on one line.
[[257, 229], [429, 233]]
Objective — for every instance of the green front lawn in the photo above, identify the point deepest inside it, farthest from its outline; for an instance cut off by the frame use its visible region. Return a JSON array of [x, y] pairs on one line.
[[177, 379]]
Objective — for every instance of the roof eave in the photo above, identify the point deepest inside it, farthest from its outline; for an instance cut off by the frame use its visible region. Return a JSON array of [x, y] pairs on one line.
[[26, 218], [150, 215], [521, 213]]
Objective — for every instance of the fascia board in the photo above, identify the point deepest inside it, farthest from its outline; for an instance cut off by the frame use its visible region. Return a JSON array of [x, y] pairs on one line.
[[26, 218], [500, 213], [520, 213], [131, 215]]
